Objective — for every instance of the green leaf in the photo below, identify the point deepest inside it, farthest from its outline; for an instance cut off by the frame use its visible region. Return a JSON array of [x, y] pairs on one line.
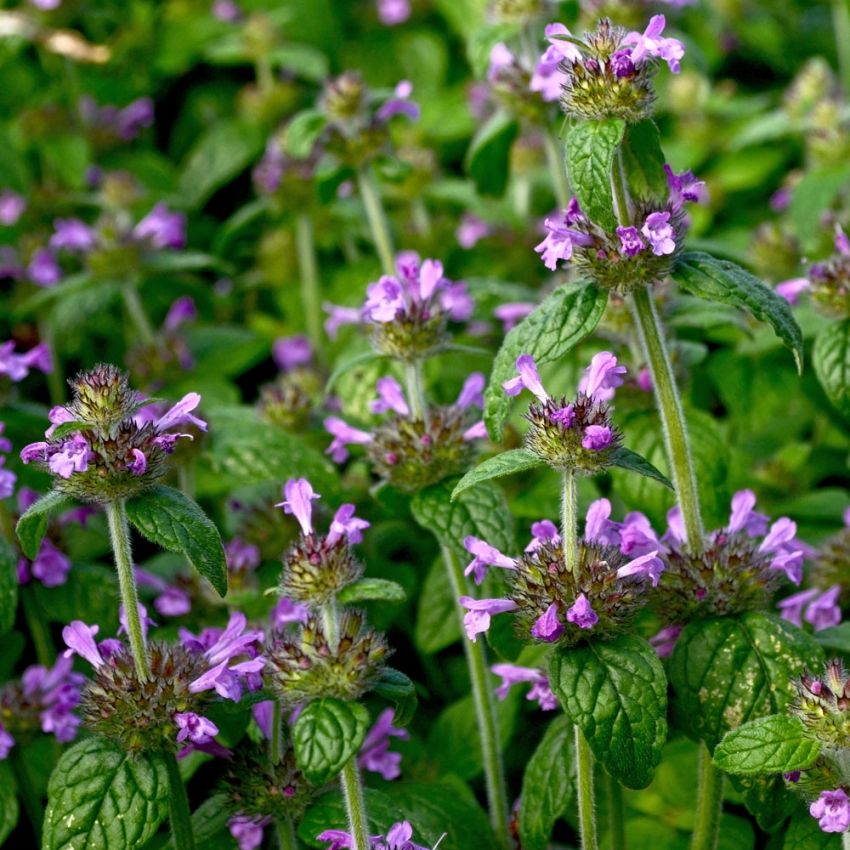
[[643, 160], [729, 670], [488, 158], [171, 520], [556, 326], [344, 364], [437, 617], [89, 594], [100, 797], [591, 146], [398, 688], [482, 513], [209, 823], [32, 526], [69, 428], [836, 638], [804, 834], [326, 735], [627, 459], [766, 798], [506, 463], [366, 589], [8, 586], [719, 280], [547, 785], [831, 359], [9, 809], [812, 196], [616, 693], [303, 131], [774, 744]]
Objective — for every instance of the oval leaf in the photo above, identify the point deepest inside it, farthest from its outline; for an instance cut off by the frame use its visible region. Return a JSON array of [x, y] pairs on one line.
[[627, 459], [616, 693], [506, 463], [488, 157], [326, 735], [775, 744], [831, 359], [398, 688], [171, 520], [32, 526], [643, 160], [366, 589]]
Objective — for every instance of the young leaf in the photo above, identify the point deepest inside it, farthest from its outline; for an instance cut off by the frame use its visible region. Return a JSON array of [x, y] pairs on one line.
[[372, 588], [563, 320], [774, 744], [32, 526], [719, 280], [8, 586], [643, 160], [627, 459], [488, 158], [302, 132], [398, 688], [99, 796], [591, 146], [326, 735], [69, 428], [616, 693], [437, 622], [547, 785], [746, 662], [831, 359], [506, 463], [171, 520]]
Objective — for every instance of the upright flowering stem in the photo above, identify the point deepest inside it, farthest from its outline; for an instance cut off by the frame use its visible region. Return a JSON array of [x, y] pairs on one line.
[[569, 522], [309, 273], [377, 220], [616, 822], [178, 804], [55, 385], [286, 838], [556, 170], [709, 803], [584, 778], [276, 741], [352, 791], [485, 710], [119, 534], [137, 314], [416, 390]]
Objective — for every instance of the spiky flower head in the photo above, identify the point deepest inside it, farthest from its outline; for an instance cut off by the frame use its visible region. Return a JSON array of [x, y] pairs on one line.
[[823, 704], [831, 565], [289, 401], [828, 281], [108, 443]]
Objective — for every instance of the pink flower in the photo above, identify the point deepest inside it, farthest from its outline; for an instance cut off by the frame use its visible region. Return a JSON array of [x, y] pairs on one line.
[[298, 497], [581, 614], [832, 810], [479, 612], [650, 45], [602, 377]]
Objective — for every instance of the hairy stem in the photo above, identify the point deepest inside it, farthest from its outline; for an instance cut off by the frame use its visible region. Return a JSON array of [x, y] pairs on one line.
[[709, 803], [119, 534], [584, 778], [276, 741], [309, 273], [352, 791], [616, 815], [377, 220], [485, 710], [137, 314], [178, 807], [286, 838], [26, 790], [557, 169], [569, 521]]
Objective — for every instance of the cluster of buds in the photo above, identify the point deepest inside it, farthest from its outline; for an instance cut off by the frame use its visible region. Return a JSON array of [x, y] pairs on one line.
[[739, 568], [412, 451], [42, 699], [108, 443], [291, 398], [288, 179], [407, 314], [578, 435], [109, 124], [166, 712], [557, 602], [632, 256]]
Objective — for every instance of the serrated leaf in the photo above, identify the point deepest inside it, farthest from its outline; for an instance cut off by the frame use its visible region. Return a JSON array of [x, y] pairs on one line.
[[774, 744], [399, 689], [488, 158], [557, 325], [831, 359], [627, 459], [804, 833], [302, 131], [506, 463], [766, 799], [643, 160], [8, 586], [719, 280], [326, 735], [100, 797], [616, 693], [366, 589], [548, 786], [168, 518], [32, 526], [591, 146], [726, 671], [437, 620]]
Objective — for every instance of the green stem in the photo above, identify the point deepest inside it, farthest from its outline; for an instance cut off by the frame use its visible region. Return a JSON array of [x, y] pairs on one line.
[[845, 841], [54, 377], [276, 742], [377, 219], [309, 273], [485, 709], [264, 74], [709, 803], [569, 521], [841, 26], [584, 778], [421, 217], [286, 838], [178, 805], [37, 627], [137, 314], [616, 819], [26, 791], [416, 389], [352, 791], [557, 169], [119, 534]]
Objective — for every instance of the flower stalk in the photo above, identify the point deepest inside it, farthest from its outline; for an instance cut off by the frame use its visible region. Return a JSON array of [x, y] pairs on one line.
[[616, 819], [137, 314], [178, 805], [569, 521], [377, 219], [584, 777], [352, 791], [309, 273], [709, 803]]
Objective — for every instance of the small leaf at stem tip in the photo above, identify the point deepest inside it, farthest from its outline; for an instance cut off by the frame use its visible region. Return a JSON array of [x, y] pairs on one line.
[[627, 459], [32, 526], [506, 463], [366, 589]]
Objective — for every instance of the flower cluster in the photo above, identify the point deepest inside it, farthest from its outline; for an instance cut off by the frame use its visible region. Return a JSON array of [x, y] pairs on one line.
[[291, 398], [108, 442], [399, 837], [578, 435], [107, 123], [820, 609]]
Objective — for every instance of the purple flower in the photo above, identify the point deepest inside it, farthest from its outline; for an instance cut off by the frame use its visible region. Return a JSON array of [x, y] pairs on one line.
[[194, 728], [241, 557], [832, 810], [637, 536], [602, 377], [501, 58], [647, 565], [485, 555], [511, 314], [6, 742], [375, 753], [391, 13], [630, 242], [684, 187], [181, 311], [343, 434], [842, 243], [50, 566], [479, 611], [650, 44], [248, 831], [528, 378], [72, 456], [79, 638], [390, 397], [581, 614], [172, 601], [400, 104], [339, 316], [598, 527], [792, 289], [298, 497], [664, 641], [548, 77], [621, 63], [511, 674], [345, 524], [162, 228], [542, 532], [781, 543], [471, 230], [472, 392], [180, 414], [7, 480], [560, 239], [597, 437], [139, 464], [286, 611], [548, 626], [384, 300], [478, 431], [71, 234], [744, 518], [821, 609], [228, 12], [133, 118], [43, 268], [292, 351], [12, 207], [658, 230], [46, 5]]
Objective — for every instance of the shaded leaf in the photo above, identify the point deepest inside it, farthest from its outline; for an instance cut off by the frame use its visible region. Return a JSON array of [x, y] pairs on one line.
[[831, 359], [32, 526], [488, 158], [8, 588], [627, 459], [366, 589]]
